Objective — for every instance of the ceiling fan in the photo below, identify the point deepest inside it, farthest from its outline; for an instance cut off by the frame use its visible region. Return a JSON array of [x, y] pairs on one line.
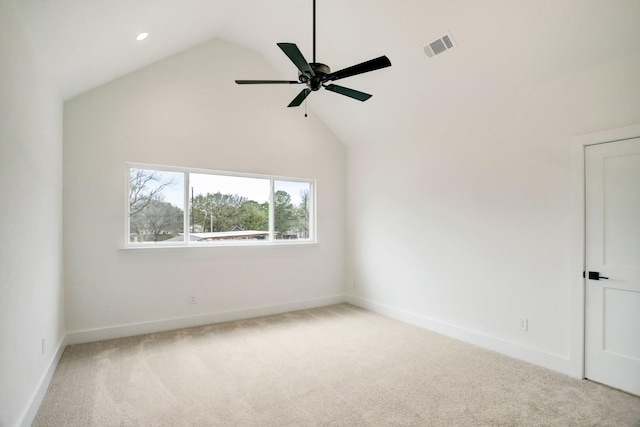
[[315, 75]]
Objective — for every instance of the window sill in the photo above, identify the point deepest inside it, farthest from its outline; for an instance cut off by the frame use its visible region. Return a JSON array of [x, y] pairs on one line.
[[181, 246]]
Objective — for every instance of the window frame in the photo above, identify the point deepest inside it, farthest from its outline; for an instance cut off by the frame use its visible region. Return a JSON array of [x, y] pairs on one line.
[[270, 241]]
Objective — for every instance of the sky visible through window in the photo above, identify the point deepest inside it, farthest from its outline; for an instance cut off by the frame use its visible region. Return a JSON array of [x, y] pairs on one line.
[[172, 193], [256, 189]]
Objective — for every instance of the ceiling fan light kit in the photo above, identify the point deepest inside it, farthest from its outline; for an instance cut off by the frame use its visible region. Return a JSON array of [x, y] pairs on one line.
[[316, 75]]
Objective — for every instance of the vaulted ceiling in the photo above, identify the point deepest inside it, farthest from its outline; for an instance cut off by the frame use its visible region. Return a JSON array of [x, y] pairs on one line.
[[502, 46]]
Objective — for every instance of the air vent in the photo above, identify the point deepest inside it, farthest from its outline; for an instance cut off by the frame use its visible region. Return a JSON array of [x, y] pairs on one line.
[[439, 45]]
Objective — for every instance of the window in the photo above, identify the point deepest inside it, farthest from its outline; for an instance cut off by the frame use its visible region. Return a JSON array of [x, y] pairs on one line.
[[179, 207]]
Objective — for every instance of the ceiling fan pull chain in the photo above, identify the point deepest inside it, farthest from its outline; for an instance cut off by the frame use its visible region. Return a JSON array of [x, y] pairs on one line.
[[305, 107]]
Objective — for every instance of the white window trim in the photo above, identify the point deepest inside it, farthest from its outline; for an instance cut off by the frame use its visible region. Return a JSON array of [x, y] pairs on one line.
[[312, 240]]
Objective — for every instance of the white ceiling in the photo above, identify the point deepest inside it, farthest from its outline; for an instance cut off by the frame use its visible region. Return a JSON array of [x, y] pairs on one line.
[[503, 45]]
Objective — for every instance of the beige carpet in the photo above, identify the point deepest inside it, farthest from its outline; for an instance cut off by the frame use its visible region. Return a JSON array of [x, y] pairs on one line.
[[332, 366]]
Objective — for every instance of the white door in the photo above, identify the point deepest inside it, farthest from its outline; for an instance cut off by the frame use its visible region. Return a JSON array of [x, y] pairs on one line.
[[612, 329]]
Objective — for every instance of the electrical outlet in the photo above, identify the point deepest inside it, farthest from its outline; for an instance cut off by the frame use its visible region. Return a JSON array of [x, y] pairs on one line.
[[192, 299], [523, 324], [44, 342]]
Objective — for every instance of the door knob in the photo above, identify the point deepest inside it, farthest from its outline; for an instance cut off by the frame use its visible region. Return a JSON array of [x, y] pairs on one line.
[[595, 275]]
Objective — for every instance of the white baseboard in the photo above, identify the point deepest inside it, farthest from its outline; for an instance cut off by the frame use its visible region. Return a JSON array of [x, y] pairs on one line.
[[129, 330], [36, 399], [547, 360]]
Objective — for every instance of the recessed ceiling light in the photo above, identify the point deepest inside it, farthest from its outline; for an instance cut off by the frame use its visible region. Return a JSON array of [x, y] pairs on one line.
[[142, 36]]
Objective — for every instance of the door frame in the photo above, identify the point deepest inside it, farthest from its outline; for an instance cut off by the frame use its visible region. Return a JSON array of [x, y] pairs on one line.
[[577, 350]]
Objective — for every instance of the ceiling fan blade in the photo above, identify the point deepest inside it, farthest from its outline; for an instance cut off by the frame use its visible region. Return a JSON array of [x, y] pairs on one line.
[[351, 93], [267, 82], [365, 67], [294, 54], [301, 97]]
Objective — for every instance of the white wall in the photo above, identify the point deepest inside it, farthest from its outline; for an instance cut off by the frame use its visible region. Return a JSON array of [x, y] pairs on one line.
[[31, 301], [187, 111], [467, 223]]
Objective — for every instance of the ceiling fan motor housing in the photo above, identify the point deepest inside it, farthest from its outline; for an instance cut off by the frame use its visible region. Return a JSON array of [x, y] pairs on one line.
[[320, 71]]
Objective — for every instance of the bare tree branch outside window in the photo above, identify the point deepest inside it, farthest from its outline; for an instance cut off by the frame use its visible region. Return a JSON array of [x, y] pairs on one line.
[[150, 217]]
